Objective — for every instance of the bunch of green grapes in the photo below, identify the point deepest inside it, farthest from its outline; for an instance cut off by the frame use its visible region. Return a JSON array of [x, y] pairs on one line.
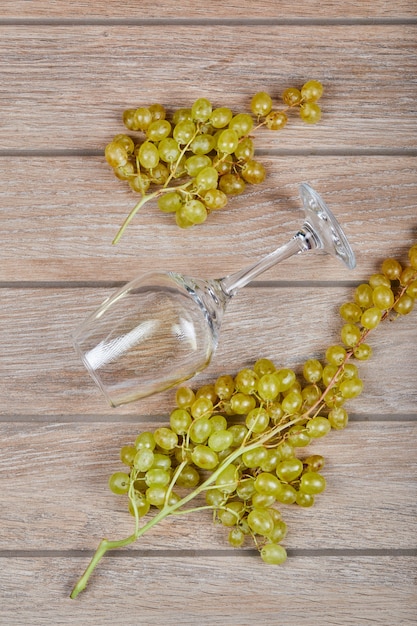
[[237, 447], [193, 161]]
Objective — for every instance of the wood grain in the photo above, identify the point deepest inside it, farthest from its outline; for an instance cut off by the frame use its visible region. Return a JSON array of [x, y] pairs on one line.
[[67, 71], [368, 73]]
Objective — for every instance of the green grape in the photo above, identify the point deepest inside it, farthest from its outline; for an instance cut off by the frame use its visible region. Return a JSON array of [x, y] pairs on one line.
[[227, 480], [257, 420], [115, 154], [292, 402], [208, 392], [260, 522], [285, 450], [140, 183], [312, 483], [392, 269], [312, 91], [224, 387], [245, 488], [159, 174], [261, 103], [161, 461], [287, 494], [206, 179], [371, 317], [336, 355], [254, 458], [188, 477], [267, 484], [269, 386], [231, 184], [304, 499], [201, 110], [215, 199], [276, 120], [253, 172], [203, 144], [273, 554], [221, 117], [242, 403], [119, 483], [158, 111], [245, 149], [157, 476], [351, 387], [298, 436], [378, 280], [142, 505], [165, 438], [239, 432], [180, 421], [292, 96], [125, 141], [264, 366], [362, 352], [148, 155], [310, 113], [128, 118], [202, 407], [194, 164], [124, 172], [310, 394], [215, 498], [411, 290], [236, 537], [142, 118], [279, 532], [170, 202], [127, 455], [204, 457], [169, 151], [363, 296], [312, 371], [193, 211], [231, 514], [145, 440], [289, 469], [227, 141], [271, 461], [144, 459], [262, 501], [315, 462], [350, 335], [220, 440], [200, 430], [404, 304], [184, 132], [246, 380], [181, 115], [349, 370], [350, 312], [242, 124], [338, 418], [218, 422], [184, 397], [156, 495], [158, 130], [286, 379], [383, 297], [318, 426]]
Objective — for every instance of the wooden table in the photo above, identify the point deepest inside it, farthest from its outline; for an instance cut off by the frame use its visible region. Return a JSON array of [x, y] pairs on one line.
[[68, 70]]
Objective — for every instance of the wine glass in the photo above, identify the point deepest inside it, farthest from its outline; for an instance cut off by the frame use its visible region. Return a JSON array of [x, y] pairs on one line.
[[162, 328]]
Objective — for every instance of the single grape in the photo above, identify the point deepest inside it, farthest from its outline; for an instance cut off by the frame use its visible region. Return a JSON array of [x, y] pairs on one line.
[[267, 484], [350, 335], [371, 317], [119, 483], [287, 494], [350, 312], [158, 130], [351, 387], [289, 469], [310, 112], [169, 151], [312, 91], [304, 499], [253, 172], [203, 144], [170, 202], [181, 115], [273, 554], [298, 436], [220, 440], [245, 149], [383, 297], [236, 537], [363, 295], [157, 476], [144, 459], [184, 397], [260, 521], [195, 163], [315, 462], [215, 199], [204, 457], [246, 380], [276, 120], [227, 141], [145, 439], [254, 458], [318, 426], [242, 124], [261, 103], [257, 420], [269, 386], [200, 430], [206, 179], [227, 481], [180, 421], [165, 438], [404, 304], [148, 155], [184, 132], [312, 371], [292, 96], [338, 418], [127, 455], [336, 355], [362, 352], [202, 407], [115, 154], [128, 118], [242, 403], [292, 402], [221, 117], [188, 477], [312, 483], [201, 110], [142, 118]]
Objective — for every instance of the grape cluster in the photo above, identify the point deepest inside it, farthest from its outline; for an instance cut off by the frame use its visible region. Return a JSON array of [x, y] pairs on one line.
[[193, 161], [240, 442]]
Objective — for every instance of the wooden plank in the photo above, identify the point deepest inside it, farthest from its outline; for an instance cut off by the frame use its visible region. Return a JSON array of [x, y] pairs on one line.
[[73, 79], [369, 502], [348, 590], [234, 10], [61, 214], [41, 374]]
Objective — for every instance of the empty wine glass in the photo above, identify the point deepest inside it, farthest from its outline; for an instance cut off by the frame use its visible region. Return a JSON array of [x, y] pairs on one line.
[[162, 328]]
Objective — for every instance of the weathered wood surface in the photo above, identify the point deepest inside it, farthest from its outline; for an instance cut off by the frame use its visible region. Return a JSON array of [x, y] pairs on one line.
[[67, 71]]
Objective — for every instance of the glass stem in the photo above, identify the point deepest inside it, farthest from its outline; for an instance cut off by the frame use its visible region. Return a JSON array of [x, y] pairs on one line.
[[302, 241]]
